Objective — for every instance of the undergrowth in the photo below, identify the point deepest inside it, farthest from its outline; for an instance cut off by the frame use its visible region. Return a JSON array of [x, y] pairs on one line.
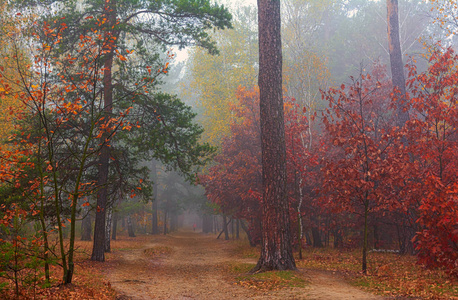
[[389, 274], [266, 281]]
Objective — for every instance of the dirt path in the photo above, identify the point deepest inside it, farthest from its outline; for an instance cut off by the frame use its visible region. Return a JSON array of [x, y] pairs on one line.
[[194, 266]]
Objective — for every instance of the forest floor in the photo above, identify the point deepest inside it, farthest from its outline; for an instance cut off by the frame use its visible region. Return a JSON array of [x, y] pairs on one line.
[[188, 265]]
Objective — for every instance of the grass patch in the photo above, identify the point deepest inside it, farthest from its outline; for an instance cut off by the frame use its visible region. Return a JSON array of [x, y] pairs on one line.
[[266, 281], [240, 268], [388, 274]]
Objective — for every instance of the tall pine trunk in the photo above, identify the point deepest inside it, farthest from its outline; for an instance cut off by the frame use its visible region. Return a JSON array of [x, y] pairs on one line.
[[98, 249], [276, 248], [398, 79], [397, 66], [154, 227]]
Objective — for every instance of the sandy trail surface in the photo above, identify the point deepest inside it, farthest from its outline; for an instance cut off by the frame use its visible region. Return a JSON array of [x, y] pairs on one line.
[[195, 266]]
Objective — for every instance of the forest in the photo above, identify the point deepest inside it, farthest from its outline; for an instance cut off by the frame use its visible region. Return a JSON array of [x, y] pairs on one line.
[[270, 141]]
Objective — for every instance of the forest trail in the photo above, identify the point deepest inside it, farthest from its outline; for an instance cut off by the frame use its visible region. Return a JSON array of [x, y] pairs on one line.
[[188, 265]]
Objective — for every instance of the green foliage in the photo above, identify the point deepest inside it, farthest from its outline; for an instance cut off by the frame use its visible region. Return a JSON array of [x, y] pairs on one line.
[[168, 132], [20, 254]]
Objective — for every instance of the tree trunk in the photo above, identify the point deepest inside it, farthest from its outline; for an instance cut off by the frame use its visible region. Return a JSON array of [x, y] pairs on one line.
[[338, 240], [308, 239], [366, 213], [115, 226], [165, 222], [232, 228], [86, 225], [98, 249], [216, 222], [207, 223], [108, 229], [154, 227], [299, 214], [250, 238], [276, 250], [316, 237], [397, 66], [376, 237], [173, 222], [130, 227], [237, 230], [226, 232]]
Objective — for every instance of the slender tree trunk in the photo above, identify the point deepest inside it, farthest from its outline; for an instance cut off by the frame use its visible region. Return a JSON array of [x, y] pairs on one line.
[[276, 249], [115, 226], [98, 249], [226, 232], [308, 239], [299, 215], [216, 222], [397, 66], [165, 222], [154, 227], [376, 237], [317, 243], [44, 232], [338, 240], [108, 229], [366, 213], [44, 229], [207, 223], [237, 230], [86, 225], [130, 227], [248, 234]]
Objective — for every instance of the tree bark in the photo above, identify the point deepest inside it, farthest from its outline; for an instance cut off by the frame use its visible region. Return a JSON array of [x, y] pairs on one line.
[[86, 225], [115, 226], [397, 66], [338, 239], [98, 249], [376, 237], [316, 237], [276, 249], [225, 229], [365, 233], [108, 229], [250, 238], [237, 230], [216, 222], [154, 227], [130, 227]]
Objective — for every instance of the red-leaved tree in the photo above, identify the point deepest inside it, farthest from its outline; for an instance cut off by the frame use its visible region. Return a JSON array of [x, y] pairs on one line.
[[434, 137]]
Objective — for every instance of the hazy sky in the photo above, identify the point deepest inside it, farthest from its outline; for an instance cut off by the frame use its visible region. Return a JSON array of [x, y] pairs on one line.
[[235, 3]]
